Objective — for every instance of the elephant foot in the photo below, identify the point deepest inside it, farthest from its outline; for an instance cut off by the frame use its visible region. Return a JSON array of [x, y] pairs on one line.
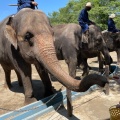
[[30, 100]]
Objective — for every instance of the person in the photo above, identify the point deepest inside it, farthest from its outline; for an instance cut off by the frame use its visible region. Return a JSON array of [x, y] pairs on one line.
[[84, 22], [26, 4], [83, 18], [111, 24]]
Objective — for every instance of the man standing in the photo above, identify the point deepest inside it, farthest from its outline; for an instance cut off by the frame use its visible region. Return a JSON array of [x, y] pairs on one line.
[[111, 24], [26, 4]]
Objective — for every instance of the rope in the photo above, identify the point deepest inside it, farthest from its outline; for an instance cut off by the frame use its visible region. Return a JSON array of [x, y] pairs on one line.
[[56, 118], [30, 108]]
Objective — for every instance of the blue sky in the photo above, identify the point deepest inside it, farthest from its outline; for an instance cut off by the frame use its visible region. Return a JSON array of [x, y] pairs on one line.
[[47, 6]]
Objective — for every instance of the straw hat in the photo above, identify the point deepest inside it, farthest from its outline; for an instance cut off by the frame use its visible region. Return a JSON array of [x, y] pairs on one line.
[[112, 16], [88, 4]]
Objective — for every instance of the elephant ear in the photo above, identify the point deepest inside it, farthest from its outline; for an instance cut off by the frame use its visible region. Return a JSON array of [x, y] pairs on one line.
[[10, 33]]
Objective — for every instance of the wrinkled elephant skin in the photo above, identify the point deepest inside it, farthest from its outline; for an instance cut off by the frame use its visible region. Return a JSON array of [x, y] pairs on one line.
[[68, 42], [27, 38], [113, 42]]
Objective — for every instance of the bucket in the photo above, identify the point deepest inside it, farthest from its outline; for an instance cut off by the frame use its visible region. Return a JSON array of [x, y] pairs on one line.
[[114, 112]]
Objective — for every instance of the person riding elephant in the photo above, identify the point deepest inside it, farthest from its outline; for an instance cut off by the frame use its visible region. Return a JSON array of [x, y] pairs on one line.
[[26, 4], [67, 45], [84, 21], [111, 24]]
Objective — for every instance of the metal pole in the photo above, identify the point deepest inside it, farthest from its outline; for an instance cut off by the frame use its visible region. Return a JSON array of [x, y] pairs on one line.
[[13, 5], [19, 5], [107, 75], [69, 103]]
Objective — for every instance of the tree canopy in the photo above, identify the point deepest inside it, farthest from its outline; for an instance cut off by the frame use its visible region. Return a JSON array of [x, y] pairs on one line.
[[99, 13]]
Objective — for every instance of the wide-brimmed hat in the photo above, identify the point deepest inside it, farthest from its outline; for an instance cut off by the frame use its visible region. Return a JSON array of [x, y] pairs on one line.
[[88, 4], [112, 15]]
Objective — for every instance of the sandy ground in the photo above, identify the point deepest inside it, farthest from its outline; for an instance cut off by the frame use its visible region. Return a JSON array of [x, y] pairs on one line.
[[94, 106]]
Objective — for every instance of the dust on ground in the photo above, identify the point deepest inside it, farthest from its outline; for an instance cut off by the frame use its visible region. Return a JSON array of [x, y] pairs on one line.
[[94, 106], [96, 109]]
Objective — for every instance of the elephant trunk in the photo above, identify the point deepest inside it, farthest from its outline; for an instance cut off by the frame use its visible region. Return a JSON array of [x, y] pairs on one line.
[[45, 53]]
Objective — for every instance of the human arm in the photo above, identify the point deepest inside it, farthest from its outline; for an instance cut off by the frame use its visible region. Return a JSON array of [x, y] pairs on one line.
[[91, 22], [85, 17]]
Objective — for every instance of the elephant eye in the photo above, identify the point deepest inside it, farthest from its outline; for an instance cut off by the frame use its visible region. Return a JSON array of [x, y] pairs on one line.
[[27, 38]]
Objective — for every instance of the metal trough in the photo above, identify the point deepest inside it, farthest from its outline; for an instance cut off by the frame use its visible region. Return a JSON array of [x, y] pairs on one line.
[[41, 107]]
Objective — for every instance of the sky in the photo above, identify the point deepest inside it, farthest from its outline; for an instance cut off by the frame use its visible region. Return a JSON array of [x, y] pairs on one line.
[[47, 6]]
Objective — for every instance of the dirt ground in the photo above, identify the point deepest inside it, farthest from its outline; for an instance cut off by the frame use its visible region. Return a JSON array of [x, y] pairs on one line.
[[14, 98], [94, 106]]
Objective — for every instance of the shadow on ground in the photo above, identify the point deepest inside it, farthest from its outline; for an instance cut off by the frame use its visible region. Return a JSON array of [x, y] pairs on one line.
[[38, 89]]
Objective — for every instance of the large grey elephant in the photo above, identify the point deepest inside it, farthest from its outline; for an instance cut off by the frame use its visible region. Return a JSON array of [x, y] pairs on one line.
[[113, 42], [70, 46], [28, 38]]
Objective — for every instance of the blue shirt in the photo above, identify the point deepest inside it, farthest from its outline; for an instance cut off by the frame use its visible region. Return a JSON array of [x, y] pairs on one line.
[[83, 17], [25, 4], [111, 26]]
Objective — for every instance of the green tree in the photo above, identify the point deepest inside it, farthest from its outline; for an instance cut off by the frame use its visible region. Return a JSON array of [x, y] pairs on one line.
[[99, 13]]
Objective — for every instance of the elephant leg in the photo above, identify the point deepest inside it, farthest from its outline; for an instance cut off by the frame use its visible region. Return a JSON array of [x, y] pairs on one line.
[[24, 70], [45, 79], [70, 56], [19, 79], [82, 62], [101, 62], [27, 84], [118, 56], [72, 65], [7, 83], [85, 67]]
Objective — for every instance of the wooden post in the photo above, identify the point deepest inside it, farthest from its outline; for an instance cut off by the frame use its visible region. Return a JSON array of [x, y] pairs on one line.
[[107, 75], [69, 103]]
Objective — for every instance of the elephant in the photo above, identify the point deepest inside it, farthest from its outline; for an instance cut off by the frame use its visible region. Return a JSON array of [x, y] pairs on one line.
[[113, 42], [70, 46], [28, 38]]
